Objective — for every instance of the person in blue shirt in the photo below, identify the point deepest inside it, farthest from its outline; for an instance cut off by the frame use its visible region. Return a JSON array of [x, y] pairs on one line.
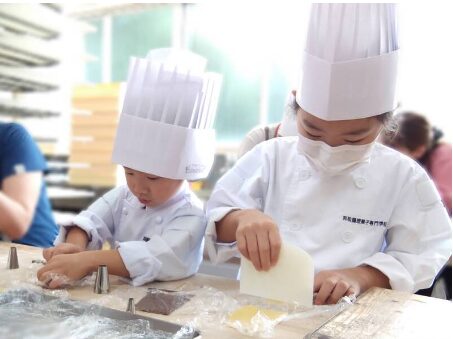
[[25, 211]]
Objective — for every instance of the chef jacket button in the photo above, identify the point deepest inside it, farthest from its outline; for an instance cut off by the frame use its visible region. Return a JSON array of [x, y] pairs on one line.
[[125, 211], [347, 236], [295, 227], [304, 174], [360, 182], [158, 220]]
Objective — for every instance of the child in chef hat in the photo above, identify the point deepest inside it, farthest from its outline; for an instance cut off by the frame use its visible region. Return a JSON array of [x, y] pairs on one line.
[[366, 214], [154, 224]]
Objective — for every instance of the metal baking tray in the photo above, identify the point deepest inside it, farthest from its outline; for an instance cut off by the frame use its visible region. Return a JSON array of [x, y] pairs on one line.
[[24, 312]]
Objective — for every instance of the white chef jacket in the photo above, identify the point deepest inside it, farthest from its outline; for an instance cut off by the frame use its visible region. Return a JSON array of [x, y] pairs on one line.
[[385, 213], [161, 243]]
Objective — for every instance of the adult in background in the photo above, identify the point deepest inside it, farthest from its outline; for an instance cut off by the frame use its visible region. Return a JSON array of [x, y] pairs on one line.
[[25, 211], [422, 142]]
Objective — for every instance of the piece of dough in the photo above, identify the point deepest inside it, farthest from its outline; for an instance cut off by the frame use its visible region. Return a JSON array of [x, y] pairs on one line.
[[246, 313], [290, 280]]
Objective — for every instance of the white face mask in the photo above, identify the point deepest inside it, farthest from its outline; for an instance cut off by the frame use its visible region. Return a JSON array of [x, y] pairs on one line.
[[333, 160]]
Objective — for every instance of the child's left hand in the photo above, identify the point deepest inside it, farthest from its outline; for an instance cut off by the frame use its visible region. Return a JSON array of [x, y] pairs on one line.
[[332, 285], [73, 266]]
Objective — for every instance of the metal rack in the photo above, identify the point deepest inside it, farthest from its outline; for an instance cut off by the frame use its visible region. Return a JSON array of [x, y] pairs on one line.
[[31, 19], [16, 80], [21, 110], [31, 53], [28, 48], [23, 50]]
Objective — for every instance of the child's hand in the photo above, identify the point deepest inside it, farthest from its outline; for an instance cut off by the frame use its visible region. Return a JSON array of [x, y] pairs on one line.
[[73, 266], [64, 248], [332, 285], [258, 239]]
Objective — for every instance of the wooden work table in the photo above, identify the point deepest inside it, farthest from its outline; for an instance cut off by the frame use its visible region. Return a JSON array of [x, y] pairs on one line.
[[378, 313]]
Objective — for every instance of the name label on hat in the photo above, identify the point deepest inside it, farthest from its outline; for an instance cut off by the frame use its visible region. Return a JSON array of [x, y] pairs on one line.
[[195, 168]]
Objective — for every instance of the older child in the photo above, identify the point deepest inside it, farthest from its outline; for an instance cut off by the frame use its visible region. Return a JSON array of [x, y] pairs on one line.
[[368, 215]]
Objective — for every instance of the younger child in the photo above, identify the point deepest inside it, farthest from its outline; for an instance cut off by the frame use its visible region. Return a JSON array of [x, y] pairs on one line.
[[155, 224]]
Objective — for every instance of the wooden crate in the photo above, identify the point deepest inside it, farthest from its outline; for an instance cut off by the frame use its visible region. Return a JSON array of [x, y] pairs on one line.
[[98, 133], [95, 114]]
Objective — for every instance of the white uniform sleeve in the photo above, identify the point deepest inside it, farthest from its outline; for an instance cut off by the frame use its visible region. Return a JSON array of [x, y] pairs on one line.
[[98, 221], [418, 237], [253, 138], [242, 187], [175, 254]]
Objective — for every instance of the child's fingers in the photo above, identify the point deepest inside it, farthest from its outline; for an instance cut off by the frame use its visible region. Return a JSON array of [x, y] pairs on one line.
[[339, 291], [58, 282], [45, 270], [47, 280], [351, 292], [264, 250], [252, 249], [317, 283], [325, 291], [47, 253], [275, 245], [242, 245], [41, 274], [64, 249], [52, 280]]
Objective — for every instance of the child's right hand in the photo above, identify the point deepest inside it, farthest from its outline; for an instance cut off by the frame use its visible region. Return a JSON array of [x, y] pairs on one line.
[[64, 248], [258, 239], [62, 270]]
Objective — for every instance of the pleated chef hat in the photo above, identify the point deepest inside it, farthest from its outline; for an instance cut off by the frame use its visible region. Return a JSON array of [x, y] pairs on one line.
[[165, 126], [350, 61]]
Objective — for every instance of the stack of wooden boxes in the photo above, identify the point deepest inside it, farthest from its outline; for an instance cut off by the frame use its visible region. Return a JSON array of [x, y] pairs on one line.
[[94, 121]]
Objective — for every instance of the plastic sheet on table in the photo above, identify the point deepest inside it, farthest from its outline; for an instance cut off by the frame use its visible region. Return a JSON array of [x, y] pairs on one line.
[[207, 308], [28, 314], [249, 315], [25, 277]]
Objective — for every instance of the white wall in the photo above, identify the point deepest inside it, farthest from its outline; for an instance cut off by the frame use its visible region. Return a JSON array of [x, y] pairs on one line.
[[426, 62]]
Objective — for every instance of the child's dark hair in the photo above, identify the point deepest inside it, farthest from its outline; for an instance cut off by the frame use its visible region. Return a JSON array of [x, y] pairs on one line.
[[414, 130], [389, 123], [387, 120]]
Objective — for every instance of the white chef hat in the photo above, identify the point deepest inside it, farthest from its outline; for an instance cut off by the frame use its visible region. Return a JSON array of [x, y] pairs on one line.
[[350, 61], [168, 113]]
